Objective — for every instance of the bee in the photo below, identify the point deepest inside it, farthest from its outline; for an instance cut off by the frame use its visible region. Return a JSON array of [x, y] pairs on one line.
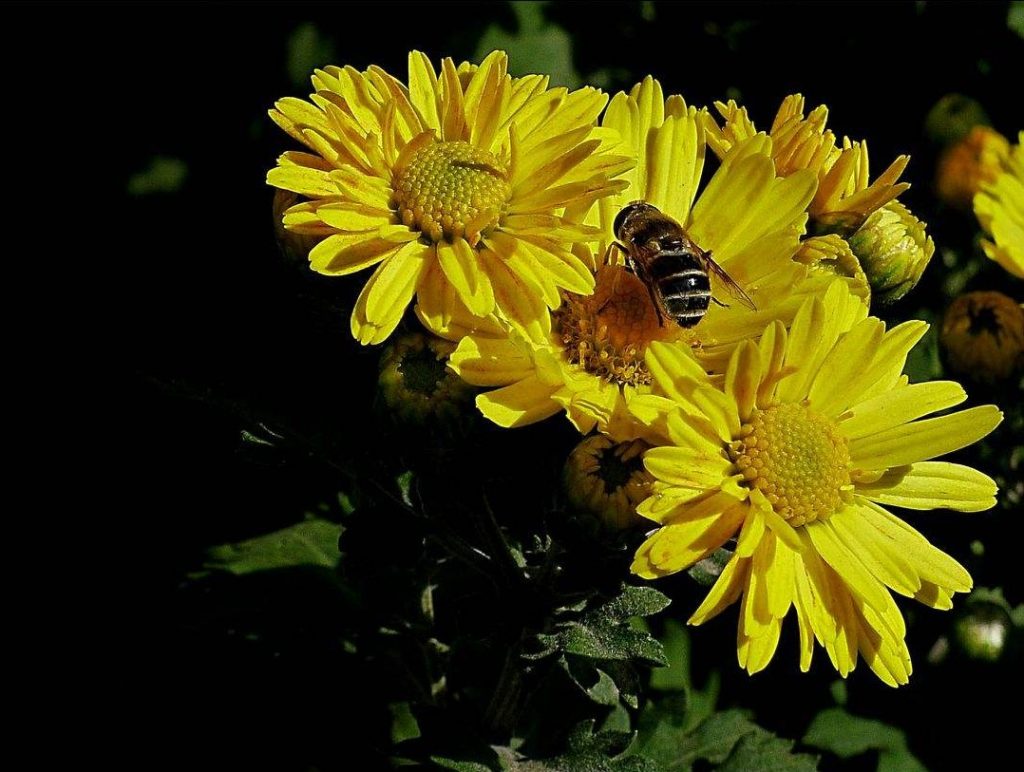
[[672, 267]]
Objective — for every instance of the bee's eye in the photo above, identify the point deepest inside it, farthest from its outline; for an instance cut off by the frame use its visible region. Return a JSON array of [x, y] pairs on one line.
[[620, 218]]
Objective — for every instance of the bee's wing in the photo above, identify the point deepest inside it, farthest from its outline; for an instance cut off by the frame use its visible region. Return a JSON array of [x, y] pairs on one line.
[[731, 286]]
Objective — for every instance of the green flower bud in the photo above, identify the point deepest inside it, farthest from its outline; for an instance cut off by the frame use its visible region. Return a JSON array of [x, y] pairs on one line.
[[832, 256], [953, 117], [893, 249], [415, 381], [982, 631]]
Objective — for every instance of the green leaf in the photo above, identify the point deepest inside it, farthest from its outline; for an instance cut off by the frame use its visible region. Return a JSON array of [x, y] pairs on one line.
[[605, 632], [593, 752], [619, 642], [459, 766], [729, 740], [163, 175], [537, 45], [1015, 17], [846, 735], [633, 602], [676, 676], [761, 751], [310, 543], [403, 723], [307, 50]]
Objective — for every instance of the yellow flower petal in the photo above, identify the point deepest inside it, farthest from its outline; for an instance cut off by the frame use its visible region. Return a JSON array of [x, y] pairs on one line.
[[521, 403], [347, 253], [874, 550], [931, 564], [724, 592], [688, 467], [933, 485], [899, 407], [491, 361], [839, 381], [923, 440], [848, 565], [679, 545], [382, 302], [461, 266], [743, 378]]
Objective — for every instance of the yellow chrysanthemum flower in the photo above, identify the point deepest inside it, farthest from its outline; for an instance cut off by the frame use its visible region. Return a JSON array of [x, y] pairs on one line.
[[845, 195], [592, 360], [454, 186], [814, 434], [999, 207]]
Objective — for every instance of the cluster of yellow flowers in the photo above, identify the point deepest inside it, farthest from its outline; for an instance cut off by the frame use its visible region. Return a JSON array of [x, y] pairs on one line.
[[490, 200]]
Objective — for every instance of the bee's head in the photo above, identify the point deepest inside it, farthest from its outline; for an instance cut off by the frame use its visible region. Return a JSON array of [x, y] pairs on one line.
[[630, 213]]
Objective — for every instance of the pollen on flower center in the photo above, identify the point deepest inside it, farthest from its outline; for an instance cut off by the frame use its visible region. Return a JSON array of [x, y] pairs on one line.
[[607, 333], [452, 190], [797, 459]]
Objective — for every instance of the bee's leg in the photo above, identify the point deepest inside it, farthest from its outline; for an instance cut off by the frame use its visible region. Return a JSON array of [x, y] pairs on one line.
[[608, 252], [615, 279], [718, 302]]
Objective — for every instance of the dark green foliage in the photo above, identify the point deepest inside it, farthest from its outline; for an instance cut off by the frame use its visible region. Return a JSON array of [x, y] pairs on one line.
[[846, 735]]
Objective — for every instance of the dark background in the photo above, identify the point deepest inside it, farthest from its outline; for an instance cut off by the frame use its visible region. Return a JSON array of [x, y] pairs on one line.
[[221, 333]]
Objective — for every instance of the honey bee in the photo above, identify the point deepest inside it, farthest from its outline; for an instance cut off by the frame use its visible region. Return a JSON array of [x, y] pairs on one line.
[[672, 267]]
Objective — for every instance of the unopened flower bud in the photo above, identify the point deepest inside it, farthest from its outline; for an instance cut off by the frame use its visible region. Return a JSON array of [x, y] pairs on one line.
[[966, 165], [983, 629], [606, 480], [983, 336], [294, 244], [953, 117], [893, 249], [831, 255], [416, 383]]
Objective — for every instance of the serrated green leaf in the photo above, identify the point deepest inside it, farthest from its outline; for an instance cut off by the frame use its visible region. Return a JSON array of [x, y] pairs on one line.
[[846, 735], [592, 752], [761, 751], [728, 739], [632, 602], [459, 766], [309, 543], [606, 642], [716, 737]]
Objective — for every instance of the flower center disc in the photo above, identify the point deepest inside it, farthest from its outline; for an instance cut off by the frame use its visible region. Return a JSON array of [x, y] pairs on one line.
[[797, 459], [607, 333], [452, 190]]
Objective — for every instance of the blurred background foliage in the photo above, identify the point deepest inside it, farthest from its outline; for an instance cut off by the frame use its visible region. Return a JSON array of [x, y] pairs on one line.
[[250, 430]]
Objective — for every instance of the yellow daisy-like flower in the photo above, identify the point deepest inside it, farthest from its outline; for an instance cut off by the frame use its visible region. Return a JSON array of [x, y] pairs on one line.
[[845, 194], [814, 434], [453, 186], [999, 207], [592, 360]]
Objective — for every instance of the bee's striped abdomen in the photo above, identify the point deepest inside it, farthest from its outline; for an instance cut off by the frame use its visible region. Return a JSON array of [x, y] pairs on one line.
[[683, 286]]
